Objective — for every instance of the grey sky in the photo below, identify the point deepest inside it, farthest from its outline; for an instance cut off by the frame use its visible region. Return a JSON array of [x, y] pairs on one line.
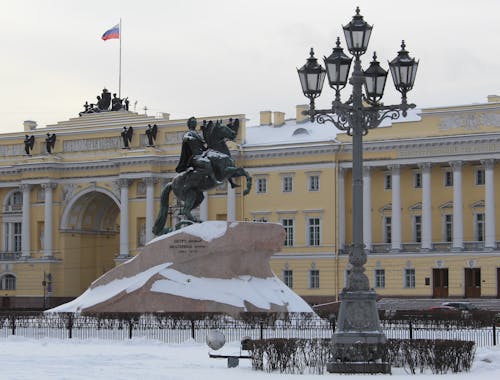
[[197, 57]]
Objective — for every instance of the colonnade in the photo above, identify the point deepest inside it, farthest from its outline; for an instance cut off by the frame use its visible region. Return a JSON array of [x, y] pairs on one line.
[[427, 227], [123, 185]]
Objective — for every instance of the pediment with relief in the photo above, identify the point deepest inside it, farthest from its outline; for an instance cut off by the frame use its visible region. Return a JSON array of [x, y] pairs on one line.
[[470, 121]]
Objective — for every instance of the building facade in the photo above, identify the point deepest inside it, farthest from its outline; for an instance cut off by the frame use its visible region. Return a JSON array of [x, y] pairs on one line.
[[73, 210]]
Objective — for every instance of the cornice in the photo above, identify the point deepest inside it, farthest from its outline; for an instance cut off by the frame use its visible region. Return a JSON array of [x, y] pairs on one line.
[[289, 151]]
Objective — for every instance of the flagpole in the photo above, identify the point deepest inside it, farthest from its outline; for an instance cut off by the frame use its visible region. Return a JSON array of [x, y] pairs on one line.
[[120, 64]]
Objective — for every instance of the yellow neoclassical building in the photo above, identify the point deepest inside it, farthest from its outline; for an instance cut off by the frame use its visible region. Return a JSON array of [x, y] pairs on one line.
[[81, 196]]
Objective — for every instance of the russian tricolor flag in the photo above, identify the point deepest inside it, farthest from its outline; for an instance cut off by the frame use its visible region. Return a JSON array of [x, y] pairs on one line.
[[114, 32]]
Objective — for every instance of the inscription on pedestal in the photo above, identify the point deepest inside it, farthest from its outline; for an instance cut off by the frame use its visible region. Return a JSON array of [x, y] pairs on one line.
[[188, 245]]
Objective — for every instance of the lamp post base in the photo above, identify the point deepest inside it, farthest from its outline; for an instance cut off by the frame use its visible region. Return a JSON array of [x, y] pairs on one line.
[[358, 344]]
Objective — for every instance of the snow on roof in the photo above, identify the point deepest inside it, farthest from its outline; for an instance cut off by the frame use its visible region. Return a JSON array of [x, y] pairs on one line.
[[306, 132], [289, 133]]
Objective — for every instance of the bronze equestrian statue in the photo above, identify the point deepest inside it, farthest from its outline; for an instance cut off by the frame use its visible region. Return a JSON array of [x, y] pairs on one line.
[[201, 168]]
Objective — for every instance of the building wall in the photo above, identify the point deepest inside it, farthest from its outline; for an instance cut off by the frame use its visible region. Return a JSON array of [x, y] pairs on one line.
[[89, 170]]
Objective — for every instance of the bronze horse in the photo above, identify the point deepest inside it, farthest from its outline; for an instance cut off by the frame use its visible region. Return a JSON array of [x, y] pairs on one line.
[[189, 185]]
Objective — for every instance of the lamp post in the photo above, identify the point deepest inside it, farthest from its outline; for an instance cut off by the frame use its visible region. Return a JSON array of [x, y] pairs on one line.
[[358, 337]]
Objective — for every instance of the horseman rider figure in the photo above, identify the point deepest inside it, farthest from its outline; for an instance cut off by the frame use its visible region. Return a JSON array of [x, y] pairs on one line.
[[193, 146]]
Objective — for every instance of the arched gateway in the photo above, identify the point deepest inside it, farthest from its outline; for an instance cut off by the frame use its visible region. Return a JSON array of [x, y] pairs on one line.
[[89, 237]]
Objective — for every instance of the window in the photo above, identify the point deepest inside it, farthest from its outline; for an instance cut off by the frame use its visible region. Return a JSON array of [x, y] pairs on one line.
[[287, 184], [261, 185], [479, 176], [289, 231], [387, 181], [314, 279], [141, 189], [448, 178], [8, 282], [313, 183], [387, 229], [479, 226], [15, 202], [288, 278], [313, 229], [417, 180], [17, 237], [380, 278], [448, 227], [417, 228], [409, 278], [141, 232]]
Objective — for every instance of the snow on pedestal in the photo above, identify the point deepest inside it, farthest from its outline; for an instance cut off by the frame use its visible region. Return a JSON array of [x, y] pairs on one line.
[[220, 267]]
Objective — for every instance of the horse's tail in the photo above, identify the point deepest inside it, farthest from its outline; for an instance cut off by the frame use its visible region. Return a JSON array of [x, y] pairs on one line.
[[159, 225]]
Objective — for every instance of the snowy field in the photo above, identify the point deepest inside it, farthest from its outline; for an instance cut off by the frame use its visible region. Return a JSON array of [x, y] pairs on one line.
[[24, 358]]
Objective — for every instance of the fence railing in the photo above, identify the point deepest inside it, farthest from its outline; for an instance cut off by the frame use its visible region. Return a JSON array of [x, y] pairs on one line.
[[175, 329]]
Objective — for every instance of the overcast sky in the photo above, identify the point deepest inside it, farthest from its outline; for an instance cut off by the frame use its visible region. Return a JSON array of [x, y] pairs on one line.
[[201, 58]]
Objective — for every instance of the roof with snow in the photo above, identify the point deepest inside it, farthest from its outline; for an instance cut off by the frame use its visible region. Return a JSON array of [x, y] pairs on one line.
[[306, 131]]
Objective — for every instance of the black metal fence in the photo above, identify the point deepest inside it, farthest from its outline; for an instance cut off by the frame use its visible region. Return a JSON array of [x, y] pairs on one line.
[[180, 328]]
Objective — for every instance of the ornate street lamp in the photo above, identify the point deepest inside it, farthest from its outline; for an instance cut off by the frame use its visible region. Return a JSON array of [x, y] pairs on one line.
[[358, 338]]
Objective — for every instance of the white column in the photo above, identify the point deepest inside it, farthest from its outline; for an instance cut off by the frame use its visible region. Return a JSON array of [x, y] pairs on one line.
[[396, 208], [458, 212], [367, 209], [490, 239], [426, 207], [204, 207], [231, 203], [49, 214], [26, 231], [123, 183], [341, 208], [150, 206]]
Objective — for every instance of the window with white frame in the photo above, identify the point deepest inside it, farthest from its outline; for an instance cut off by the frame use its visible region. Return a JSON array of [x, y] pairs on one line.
[[17, 245], [479, 176], [448, 227], [448, 178], [313, 183], [12, 223], [387, 181], [479, 226], [417, 228], [380, 278], [8, 282], [409, 280], [288, 278], [417, 180], [141, 232], [314, 278], [287, 184], [288, 225], [313, 231], [261, 185], [15, 202], [387, 220]]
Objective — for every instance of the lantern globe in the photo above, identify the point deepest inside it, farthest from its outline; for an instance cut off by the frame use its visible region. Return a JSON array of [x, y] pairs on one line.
[[312, 76], [337, 66], [403, 70], [357, 34], [375, 78]]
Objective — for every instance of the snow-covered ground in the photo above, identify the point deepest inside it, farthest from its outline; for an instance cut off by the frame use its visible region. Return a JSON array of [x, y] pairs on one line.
[[23, 358]]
